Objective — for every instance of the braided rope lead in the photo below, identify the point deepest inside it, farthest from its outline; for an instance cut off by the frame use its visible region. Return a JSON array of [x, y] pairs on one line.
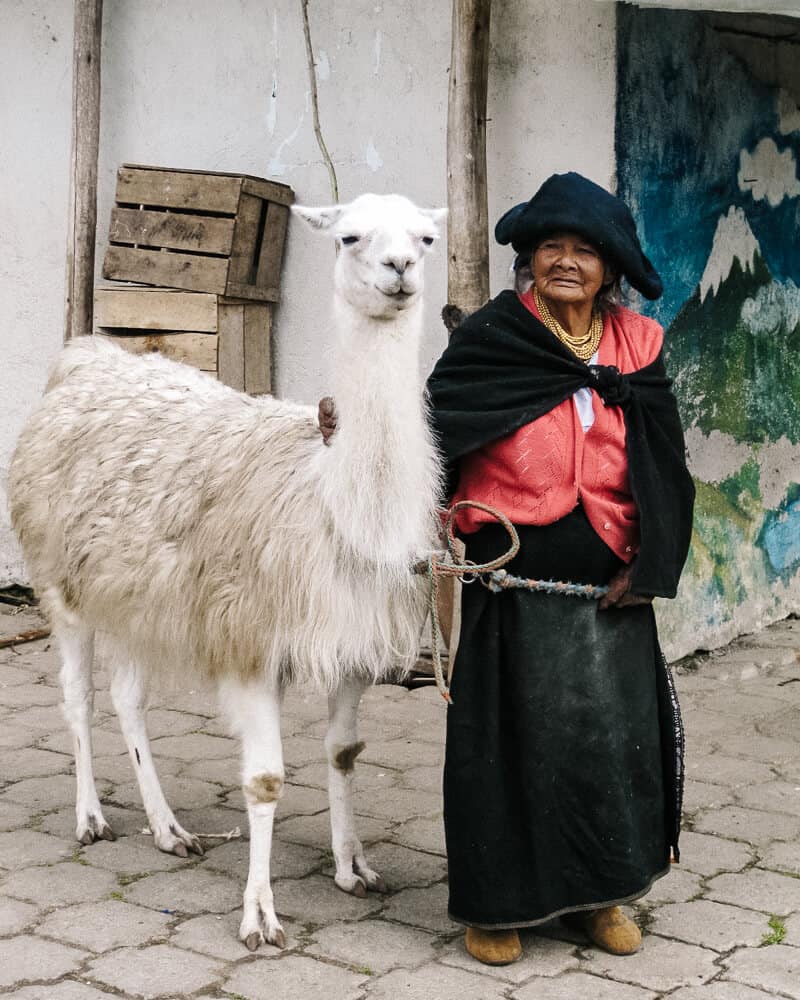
[[498, 580]]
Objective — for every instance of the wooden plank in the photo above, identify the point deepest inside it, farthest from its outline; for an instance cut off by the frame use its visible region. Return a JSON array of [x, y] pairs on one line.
[[155, 309], [82, 219], [244, 242], [231, 345], [467, 231], [171, 270], [175, 230], [252, 293], [196, 349], [271, 257], [178, 189], [268, 190], [257, 348]]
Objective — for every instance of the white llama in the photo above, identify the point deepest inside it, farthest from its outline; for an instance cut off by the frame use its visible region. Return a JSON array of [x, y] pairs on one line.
[[201, 531]]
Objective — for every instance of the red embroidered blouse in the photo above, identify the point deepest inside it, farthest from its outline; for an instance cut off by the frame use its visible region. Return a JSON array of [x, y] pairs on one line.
[[539, 473]]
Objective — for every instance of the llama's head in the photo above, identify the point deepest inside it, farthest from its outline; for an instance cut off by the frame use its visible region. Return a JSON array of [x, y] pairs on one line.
[[381, 243]]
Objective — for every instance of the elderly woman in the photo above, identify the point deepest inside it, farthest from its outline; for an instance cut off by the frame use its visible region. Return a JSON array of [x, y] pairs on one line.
[[563, 770]]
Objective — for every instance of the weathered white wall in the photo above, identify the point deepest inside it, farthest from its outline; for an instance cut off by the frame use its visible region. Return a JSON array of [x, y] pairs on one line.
[[35, 112], [205, 85]]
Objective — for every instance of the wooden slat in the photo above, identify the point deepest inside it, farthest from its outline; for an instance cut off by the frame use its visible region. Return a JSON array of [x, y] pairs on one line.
[[175, 230], [243, 249], [196, 349], [171, 270], [268, 190], [155, 309], [257, 361], [178, 189], [251, 292], [269, 264], [231, 345]]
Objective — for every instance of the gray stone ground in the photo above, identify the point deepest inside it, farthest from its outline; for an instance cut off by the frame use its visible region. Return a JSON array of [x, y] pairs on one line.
[[123, 920]]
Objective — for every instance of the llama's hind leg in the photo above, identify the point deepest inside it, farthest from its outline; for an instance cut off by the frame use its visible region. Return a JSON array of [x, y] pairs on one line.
[[76, 643], [342, 746], [129, 696], [254, 713]]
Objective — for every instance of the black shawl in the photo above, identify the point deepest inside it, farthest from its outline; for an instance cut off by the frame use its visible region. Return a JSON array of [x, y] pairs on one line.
[[503, 368]]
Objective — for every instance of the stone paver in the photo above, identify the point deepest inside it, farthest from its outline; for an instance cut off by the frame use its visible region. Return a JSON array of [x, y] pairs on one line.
[[708, 855], [31, 848], [126, 920], [719, 990], [66, 990], [770, 892], [438, 981], [374, 944], [191, 890], [294, 976], [59, 885], [575, 985], [104, 925], [156, 971], [754, 826], [775, 968], [23, 958], [659, 964], [712, 925]]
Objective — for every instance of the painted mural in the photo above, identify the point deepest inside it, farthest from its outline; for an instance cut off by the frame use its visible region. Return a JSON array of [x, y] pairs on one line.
[[707, 158]]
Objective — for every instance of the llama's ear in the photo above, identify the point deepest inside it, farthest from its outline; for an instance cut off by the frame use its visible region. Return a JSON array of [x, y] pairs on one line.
[[319, 218], [436, 215]]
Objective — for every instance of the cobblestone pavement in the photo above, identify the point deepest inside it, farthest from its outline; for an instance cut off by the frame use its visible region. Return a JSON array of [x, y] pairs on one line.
[[123, 920]]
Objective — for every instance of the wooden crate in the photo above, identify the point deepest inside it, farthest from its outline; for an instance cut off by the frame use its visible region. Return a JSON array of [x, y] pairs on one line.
[[228, 338], [207, 232]]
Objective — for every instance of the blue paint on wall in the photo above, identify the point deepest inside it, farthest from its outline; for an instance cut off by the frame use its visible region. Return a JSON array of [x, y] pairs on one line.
[[686, 109]]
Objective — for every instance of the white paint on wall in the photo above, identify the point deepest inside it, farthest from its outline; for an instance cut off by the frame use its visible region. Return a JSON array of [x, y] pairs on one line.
[[769, 173], [272, 112], [374, 161], [376, 66], [35, 117], [323, 66]]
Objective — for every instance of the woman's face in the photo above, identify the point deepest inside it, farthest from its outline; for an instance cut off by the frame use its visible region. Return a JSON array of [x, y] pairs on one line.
[[568, 270]]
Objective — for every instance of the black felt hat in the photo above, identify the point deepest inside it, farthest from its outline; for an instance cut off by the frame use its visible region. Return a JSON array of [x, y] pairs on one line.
[[572, 203]]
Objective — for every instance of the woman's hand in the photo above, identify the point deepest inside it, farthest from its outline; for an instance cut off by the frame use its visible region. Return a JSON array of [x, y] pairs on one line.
[[619, 595], [326, 414]]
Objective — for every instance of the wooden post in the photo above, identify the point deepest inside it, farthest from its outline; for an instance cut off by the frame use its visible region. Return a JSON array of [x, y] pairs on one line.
[[467, 232], [83, 176]]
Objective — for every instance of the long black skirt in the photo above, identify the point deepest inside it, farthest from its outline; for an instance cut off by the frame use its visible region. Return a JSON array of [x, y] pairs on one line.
[[563, 770]]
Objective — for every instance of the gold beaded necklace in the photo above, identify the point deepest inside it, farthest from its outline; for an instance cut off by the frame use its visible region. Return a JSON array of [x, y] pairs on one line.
[[584, 345]]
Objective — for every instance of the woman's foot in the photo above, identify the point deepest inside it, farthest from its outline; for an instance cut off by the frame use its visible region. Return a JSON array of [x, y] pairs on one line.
[[493, 947], [612, 931]]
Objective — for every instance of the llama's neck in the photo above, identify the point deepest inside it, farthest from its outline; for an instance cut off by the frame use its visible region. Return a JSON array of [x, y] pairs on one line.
[[381, 474]]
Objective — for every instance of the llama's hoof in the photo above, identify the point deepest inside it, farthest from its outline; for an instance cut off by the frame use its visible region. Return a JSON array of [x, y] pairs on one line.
[[278, 938], [371, 879], [254, 941], [354, 885], [92, 829], [175, 840]]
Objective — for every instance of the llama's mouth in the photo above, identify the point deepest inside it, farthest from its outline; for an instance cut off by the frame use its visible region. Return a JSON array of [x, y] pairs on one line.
[[400, 295]]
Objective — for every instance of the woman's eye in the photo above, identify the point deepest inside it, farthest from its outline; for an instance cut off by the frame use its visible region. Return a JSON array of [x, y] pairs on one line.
[[427, 240], [349, 240]]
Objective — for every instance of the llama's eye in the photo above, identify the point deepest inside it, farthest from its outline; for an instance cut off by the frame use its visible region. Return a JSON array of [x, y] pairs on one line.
[[349, 240], [427, 240]]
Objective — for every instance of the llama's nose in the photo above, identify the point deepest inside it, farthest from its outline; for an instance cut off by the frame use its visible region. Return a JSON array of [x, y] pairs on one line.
[[398, 264]]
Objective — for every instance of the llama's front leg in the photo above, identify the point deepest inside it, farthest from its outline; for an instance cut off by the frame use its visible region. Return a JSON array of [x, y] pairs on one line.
[[342, 745], [254, 712], [76, 643], [129, 697]]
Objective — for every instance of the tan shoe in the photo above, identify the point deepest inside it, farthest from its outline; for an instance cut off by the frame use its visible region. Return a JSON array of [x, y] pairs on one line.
[[493, 947], [612, 931]]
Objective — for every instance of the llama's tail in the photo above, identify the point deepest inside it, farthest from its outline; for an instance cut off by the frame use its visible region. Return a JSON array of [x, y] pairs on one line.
[[77, 354]]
